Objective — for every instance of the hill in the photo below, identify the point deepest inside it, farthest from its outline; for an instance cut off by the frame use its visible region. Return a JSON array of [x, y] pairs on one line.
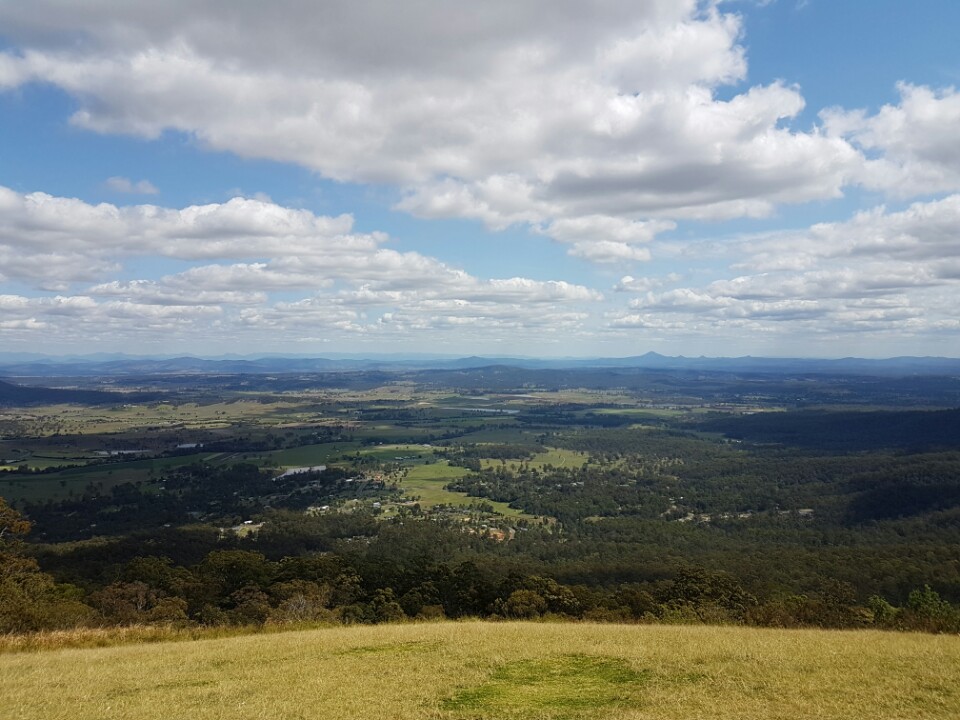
[[22, 395], [498, 670], [11, 394], [847, 431], [116, 365]]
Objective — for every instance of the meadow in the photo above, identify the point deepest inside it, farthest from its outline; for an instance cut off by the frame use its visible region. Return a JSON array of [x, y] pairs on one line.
[[427, 482], [477, 670], [556, 457]]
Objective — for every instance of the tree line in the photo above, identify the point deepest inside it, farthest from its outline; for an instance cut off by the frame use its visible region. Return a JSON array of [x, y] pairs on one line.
[[372, 572]]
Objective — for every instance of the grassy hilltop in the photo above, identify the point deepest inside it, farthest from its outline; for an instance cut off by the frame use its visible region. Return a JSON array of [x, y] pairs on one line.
[[479, 670]]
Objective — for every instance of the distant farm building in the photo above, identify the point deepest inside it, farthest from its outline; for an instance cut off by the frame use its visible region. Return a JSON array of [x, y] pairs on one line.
[[301, 470]]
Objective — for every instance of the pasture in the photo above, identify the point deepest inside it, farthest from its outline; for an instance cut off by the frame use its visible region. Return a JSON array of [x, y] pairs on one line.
[[480, 670]]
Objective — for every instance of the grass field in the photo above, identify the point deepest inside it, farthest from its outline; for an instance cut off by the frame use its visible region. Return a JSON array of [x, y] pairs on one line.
[[474, 670], [58, 485], [308, 455], [404, 454], [427, 481], [557, 457]]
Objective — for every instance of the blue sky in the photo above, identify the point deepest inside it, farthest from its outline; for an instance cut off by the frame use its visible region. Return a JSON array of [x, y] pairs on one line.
[[539, 178]]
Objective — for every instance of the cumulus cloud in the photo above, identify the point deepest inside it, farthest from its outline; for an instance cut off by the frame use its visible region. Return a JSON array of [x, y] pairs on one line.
[[606, 239], [924, 231], [600, 126], [343, 282], [605, 251], [915, 141], [544, 113], [628, 283], [49, 227], [128, 186], [159, 293], [880, 271]]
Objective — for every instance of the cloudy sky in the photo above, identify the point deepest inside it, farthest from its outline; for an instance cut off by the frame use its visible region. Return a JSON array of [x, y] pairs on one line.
[[535, 177]]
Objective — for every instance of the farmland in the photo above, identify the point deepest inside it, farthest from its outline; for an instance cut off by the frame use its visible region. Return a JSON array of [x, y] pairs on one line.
[[245, 501]]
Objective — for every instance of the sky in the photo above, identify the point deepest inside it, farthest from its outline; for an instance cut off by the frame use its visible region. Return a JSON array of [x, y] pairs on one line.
[[540, 178]]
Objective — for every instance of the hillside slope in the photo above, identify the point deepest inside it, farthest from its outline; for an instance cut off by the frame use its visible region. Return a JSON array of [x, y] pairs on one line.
[[497, 670]]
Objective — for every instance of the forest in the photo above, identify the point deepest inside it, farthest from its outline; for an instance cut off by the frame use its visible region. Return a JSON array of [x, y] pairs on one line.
[[368, 498]]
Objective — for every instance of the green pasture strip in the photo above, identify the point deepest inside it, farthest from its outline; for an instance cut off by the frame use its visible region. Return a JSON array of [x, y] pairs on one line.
[[394, 432], [405, 454], [649, 413], [309, 455], [42, 463], [513, 436], [146, 465]]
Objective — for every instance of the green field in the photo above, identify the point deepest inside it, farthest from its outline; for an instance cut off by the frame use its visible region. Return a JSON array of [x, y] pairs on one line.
[[426, 482], [402, 454], [59, 485], [475, 671], [557, 457], [498, 435], [389, 432], [309, 455]]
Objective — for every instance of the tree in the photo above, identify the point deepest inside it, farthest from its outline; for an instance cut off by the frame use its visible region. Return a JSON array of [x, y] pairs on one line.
[[301, 601], [30, 599], [927, 611], [130, 603], [525, 604], [12, 524], [708, 595], [226, 571]]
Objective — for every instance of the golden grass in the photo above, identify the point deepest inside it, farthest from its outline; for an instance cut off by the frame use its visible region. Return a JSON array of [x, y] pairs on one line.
[[488, 670], [111, 636]]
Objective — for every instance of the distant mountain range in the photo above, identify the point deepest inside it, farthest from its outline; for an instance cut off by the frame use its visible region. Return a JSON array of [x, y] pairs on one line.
[[23, 365]]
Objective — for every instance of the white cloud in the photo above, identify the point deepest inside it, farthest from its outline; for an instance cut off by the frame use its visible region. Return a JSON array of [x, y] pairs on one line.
[[895, 274], [601, 228], [128, 186], [925, 231], [600, 128], [628, 283], [13, 72], [158, 293], [539, 113], [606, 239], [605, 251], [916, 141], [341, 282], [348, 37], [27, 324], [49, 238]]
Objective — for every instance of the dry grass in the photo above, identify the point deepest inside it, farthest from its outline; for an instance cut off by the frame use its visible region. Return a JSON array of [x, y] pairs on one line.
[[89, 637], [489, 670]]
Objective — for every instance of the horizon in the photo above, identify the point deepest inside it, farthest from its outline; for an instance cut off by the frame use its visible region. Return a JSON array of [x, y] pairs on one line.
[[704, 178], [426, 357]]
